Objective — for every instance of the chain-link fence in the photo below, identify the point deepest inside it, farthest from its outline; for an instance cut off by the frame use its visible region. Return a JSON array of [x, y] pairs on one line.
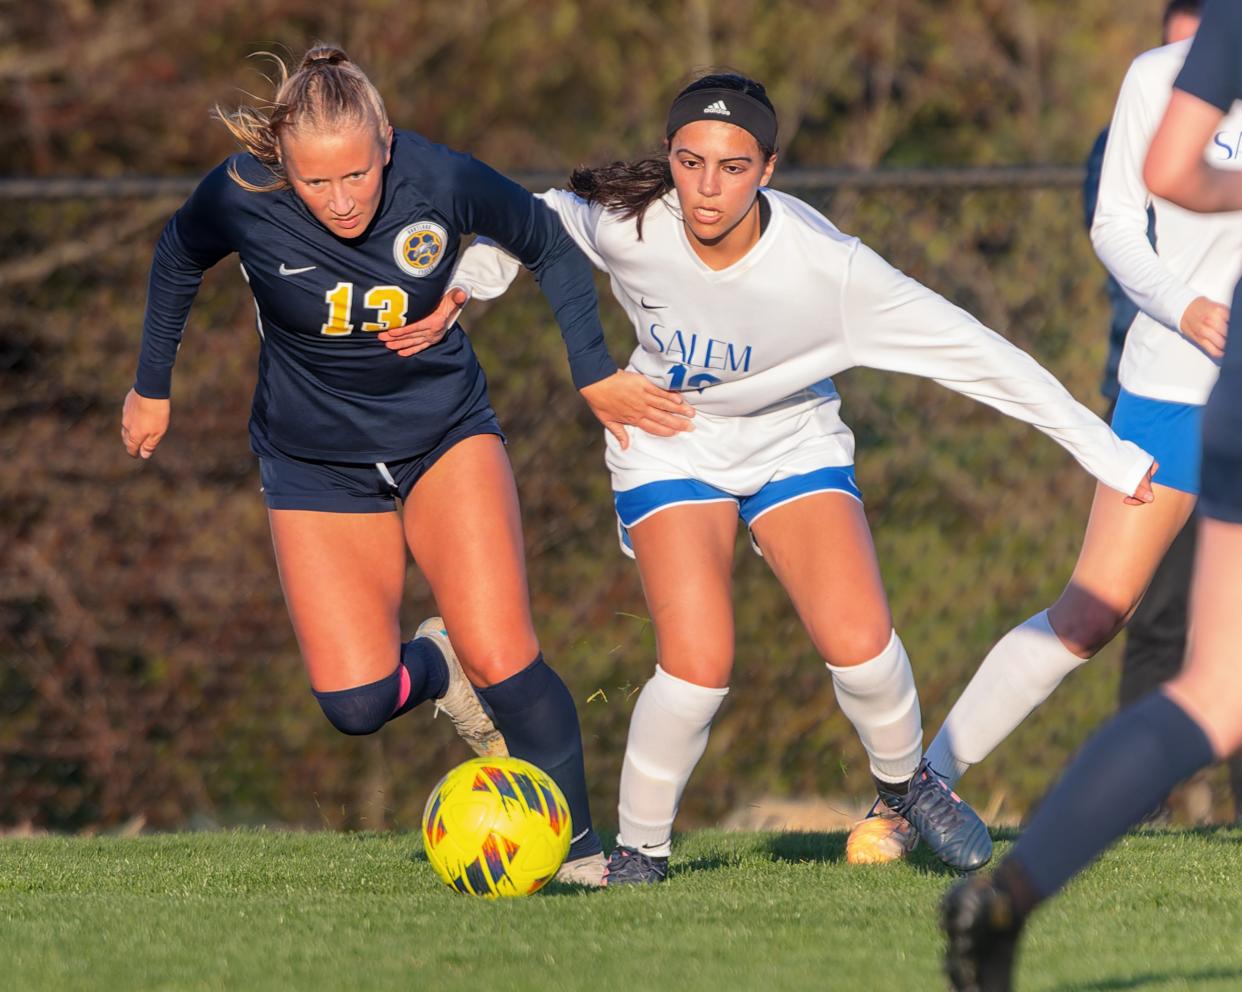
[[148, 670]]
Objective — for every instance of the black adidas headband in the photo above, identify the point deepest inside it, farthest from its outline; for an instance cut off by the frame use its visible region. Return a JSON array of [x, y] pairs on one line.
[[723, 104]]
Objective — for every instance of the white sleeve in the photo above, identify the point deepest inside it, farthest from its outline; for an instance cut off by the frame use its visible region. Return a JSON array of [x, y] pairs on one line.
[[485, 270], [1119, 230], [580, 220], [894, 323]]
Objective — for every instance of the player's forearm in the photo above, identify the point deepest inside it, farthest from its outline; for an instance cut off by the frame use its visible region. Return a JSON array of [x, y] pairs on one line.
[[567, 282], [1120, 242], [1198, 187], [171, 291], [990, 370], [1034, 396], [899, 325]]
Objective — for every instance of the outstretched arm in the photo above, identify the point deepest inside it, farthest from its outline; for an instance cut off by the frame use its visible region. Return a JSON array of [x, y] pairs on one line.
[[895, 323]]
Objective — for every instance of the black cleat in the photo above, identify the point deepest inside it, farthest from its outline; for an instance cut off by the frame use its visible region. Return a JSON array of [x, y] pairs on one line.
[[982, 928], [628, 866], [946, 824]]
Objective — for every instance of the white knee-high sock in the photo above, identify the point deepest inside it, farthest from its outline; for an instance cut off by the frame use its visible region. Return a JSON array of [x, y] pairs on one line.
[[879, 698], [668, 735], [1018, 674]]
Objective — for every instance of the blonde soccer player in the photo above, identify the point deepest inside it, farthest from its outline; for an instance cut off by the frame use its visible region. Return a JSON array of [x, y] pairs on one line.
[[346, 226]]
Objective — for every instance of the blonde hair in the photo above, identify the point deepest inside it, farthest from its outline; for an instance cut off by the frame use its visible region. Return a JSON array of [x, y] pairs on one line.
[[326, 92]]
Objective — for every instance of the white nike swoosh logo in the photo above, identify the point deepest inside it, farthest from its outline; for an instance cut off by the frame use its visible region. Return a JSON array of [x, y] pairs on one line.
[[286, 271]]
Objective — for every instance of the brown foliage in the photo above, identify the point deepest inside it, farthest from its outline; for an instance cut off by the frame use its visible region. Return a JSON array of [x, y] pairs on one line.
[[147, 667]]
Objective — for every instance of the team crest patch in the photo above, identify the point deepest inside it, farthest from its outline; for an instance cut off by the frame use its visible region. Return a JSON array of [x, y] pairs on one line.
[[419, 247]]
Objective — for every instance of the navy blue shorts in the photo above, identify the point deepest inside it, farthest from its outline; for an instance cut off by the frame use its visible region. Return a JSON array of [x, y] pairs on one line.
[[1221, 490], [292, 483]]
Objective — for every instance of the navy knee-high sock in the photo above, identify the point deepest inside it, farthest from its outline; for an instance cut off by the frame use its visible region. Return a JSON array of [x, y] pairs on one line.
[[427, 671], [536, 714], [1121, 773]]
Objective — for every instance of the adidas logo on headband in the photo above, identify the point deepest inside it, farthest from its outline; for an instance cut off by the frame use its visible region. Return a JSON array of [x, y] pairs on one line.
[[717, 108]]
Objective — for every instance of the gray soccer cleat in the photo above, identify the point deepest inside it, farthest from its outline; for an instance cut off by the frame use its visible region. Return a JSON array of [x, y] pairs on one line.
[[629, 866], [461, 702], [943, 820]]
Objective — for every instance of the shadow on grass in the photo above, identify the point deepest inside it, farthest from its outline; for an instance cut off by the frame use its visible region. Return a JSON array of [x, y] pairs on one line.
[[799, 847], [1153, 978], [807, 847], [792, 847]]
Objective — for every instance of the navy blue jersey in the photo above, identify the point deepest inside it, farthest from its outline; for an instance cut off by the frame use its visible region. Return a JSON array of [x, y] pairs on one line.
[[1213, 68], [327, 387]]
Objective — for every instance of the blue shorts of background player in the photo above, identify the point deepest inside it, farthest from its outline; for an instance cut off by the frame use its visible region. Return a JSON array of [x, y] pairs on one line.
[[1171, 432]]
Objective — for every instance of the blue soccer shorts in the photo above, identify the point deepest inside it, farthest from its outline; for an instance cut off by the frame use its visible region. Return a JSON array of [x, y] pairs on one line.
[[1170, 432], [636, 505]]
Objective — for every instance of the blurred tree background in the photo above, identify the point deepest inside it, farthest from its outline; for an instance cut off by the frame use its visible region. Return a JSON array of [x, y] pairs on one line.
[[148, 672]]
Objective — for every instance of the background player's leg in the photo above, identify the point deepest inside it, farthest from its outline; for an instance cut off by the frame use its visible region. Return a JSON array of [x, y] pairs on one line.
[[1156, 634], [342, 575], [1155, 637], [685, 558], [463, 527], [1121, 550]]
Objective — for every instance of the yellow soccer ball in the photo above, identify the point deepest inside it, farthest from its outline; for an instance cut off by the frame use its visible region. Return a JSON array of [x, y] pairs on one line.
[[496, 827]]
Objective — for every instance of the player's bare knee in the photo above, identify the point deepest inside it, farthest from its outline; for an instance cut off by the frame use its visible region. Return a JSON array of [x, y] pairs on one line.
[[1086, 624], [844, 648], [490, 660], [705, 667], [493, 665]]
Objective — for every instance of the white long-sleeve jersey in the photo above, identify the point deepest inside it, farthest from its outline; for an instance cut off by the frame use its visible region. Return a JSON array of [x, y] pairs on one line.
[[1195, 254], [805, 303]]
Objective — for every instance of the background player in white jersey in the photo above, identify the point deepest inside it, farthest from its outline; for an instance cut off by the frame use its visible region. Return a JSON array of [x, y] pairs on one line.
[[1168, 368], [1197, 717], [748, 300]]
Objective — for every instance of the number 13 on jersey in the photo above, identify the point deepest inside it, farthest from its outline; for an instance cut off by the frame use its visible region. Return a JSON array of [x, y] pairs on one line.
[[389, 302]]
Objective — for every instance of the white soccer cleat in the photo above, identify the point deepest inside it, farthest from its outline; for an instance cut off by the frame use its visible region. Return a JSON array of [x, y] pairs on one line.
[[881, 837], [461, 703], [588, 870]]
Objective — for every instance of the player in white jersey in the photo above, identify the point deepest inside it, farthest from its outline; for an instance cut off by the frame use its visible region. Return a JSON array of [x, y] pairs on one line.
[[1169, 365], [748, 301]]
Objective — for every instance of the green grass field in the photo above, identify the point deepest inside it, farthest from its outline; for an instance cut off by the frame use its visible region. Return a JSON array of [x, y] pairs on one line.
[[269, 910]]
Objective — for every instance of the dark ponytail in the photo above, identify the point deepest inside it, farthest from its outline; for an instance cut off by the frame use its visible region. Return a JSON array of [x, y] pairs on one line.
[[631, 187], [628, 187]]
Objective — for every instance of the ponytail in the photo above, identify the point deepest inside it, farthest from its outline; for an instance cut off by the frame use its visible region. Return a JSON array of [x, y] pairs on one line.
[[326, 92]]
